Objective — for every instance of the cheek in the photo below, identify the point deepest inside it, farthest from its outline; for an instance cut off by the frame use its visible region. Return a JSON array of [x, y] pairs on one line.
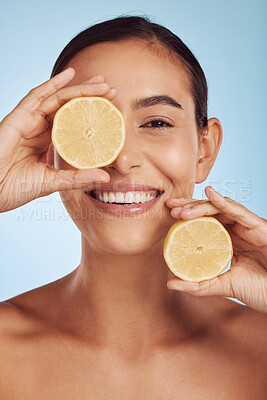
[[176, 159]]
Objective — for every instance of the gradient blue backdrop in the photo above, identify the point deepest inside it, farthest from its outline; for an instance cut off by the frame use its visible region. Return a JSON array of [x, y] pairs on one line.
[[38, 242]]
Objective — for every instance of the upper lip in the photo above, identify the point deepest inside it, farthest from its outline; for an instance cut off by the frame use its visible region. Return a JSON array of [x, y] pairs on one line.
[[126, 187]]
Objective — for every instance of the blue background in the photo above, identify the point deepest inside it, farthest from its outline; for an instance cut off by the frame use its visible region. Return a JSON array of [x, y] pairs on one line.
[[38, 242]]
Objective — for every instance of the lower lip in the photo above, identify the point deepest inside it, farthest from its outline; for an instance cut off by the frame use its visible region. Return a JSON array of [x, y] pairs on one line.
[[122, 210]]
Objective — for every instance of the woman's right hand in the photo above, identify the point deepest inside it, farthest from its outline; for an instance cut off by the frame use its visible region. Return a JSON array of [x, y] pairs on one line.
[[25, 142]]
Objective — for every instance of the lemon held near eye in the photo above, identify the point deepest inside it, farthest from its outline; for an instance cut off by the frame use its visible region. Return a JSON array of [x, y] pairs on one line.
[[88, 132]]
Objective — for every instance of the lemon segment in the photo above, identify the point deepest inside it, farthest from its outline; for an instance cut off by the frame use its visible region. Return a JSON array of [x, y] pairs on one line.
[[197, 249], [88, 132]]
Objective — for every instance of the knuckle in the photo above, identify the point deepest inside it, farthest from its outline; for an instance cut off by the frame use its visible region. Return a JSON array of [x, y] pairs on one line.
[[33, 91], [223, 205], [230, 201], [53, 84], [60, 100], [39, 91], [37, 94], [74, 175], [41, 98]]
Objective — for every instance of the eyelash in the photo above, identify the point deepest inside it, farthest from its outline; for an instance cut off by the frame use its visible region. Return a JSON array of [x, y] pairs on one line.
[[167, 124]]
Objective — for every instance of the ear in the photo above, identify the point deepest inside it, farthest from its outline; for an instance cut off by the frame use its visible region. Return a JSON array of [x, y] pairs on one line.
[[50, 156], [209, 146]]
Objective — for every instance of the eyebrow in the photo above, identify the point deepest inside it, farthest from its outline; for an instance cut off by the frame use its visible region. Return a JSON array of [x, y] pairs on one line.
[[154, 100]]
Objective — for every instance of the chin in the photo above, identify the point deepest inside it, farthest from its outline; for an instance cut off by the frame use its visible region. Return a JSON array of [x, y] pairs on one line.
[[125, 241]]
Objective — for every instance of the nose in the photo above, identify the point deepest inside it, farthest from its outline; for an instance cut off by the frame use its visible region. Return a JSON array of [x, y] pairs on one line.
[[129, 158]]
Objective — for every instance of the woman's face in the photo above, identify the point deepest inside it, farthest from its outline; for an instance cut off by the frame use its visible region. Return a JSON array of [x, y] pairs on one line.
[[161, 157]]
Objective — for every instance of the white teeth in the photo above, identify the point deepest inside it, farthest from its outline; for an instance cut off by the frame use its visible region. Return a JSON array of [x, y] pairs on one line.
[[105, 196], [143, 197], [128, 197], [137, 197], [111, 197], [119, 197]]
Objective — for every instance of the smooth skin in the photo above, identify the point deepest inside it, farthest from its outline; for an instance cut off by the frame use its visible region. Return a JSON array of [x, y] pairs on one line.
[[113, 328]]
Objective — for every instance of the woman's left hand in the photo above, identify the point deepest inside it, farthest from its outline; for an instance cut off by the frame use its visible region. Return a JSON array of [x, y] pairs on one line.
[[247, 278]]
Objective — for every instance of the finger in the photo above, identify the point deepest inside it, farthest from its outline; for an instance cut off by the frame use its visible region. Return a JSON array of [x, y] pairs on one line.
[[196, 210], [232, 209], [176, 202], [96, 79], [58, 179], [50, 117], [47, 88], [220, 286], [54, 102]]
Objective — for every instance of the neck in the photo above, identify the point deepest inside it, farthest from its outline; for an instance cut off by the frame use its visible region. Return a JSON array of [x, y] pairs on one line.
[[125, 300]]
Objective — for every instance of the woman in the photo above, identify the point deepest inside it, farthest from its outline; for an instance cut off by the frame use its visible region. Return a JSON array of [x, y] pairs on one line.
[[121, 325]]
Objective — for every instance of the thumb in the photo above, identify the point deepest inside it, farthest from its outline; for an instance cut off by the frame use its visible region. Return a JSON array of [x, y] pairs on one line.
[[220, 286], [59, 179]]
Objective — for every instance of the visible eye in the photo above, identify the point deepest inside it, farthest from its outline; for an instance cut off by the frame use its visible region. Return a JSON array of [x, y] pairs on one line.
[[158, 123]]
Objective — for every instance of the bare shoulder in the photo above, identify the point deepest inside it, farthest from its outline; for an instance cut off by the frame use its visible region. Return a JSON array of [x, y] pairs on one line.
[[15, 328], [27, 311], [233, 325], [10, 319], [26, 324], [245, 320], [24, 337], [244, 327], [18, 315]]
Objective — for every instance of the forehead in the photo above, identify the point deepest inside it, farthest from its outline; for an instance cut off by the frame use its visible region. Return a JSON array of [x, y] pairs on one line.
[[130, 64]]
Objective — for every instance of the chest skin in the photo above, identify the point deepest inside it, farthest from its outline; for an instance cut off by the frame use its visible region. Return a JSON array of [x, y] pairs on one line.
[[49, 366]]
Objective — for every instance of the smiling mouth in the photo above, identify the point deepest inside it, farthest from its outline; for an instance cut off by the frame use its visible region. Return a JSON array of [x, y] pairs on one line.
[[125, 198]]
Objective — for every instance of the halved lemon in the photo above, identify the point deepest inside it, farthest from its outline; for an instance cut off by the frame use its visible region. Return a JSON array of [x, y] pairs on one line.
[[198, 249], [88, 132]]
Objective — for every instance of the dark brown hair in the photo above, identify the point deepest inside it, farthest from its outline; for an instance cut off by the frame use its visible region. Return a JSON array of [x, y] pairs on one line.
[[128, 27]]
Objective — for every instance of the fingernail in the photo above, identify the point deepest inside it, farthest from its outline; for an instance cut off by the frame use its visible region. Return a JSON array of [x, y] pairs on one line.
[[214, 194], [95, 77], [103, 177], [213, 190], [87, 175]]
